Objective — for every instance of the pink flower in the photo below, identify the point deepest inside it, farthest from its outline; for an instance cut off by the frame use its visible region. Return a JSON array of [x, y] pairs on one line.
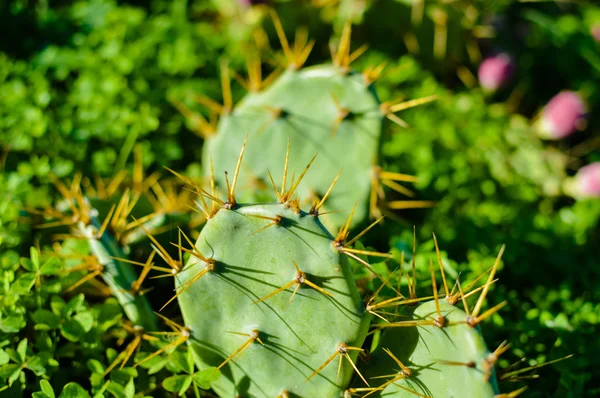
[[562, 116], [495, 72], [586, 183], [595, 31]]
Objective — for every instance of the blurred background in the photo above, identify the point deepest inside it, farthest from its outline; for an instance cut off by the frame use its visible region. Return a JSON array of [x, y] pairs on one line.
[[509, 151]]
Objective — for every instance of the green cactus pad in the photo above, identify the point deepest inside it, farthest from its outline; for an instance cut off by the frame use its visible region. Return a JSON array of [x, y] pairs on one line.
[[253, 257], [120, 276], [451, 361], [301, 106]]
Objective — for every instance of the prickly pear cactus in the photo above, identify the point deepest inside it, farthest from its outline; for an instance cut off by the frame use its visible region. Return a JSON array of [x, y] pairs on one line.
[[326, 109], [320, 109], [436, 349], [269, 298], [448, 361]]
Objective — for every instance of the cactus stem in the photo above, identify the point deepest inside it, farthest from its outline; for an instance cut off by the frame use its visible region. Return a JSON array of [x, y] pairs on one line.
[[299, 279], [342, 351], [487, 285], [252, 337]]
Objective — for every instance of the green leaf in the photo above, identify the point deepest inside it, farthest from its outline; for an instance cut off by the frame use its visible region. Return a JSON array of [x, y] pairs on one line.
[[10, 372], [12, 323], [130, 389], [206, 377], [57, 304], [186, 385], [95, 366], [175, 383], [37, 364], [27, 264], [73, 390], [45, 320], [35, 258], [117, 390], [51, 267], [47, 388], [7, 370], [85, 319], [23, 284], [178, 361], [72, 330], [4, 358], [22, 350], [74, 304]]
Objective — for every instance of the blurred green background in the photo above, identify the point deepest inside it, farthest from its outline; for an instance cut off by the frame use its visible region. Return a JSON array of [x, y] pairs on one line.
[[83, 82]]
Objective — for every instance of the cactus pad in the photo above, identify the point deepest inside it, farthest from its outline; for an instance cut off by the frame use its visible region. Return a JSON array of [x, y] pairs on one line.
[[320, 109], [448, 361], [276, 298]]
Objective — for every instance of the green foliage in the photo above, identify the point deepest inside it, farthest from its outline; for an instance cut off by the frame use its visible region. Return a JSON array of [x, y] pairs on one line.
[[91, 78]]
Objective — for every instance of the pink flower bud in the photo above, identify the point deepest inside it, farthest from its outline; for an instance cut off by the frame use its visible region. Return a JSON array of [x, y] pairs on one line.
[[595, 31], [586, 183], [562, 116], [495, 72]]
